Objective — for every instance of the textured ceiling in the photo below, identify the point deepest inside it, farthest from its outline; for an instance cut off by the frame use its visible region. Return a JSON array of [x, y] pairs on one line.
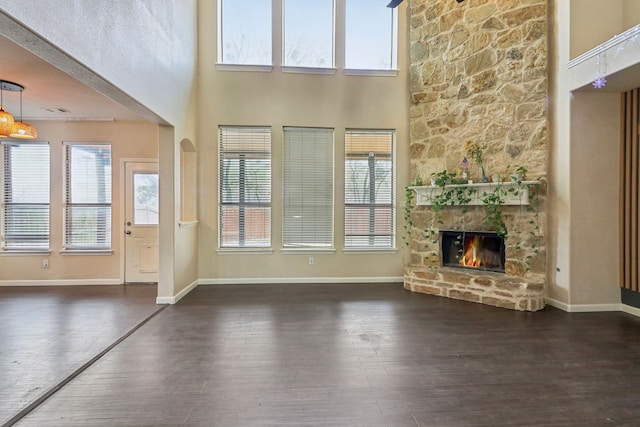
[[48, 88]]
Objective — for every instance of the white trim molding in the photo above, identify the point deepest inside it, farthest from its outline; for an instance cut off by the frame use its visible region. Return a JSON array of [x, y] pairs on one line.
[[174, 299], [301, 280], [62, 282], [592, 308]]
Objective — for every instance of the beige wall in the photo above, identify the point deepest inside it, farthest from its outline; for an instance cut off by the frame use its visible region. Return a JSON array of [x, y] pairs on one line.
[[559, 196], [631, 14], [595, 166], [593, 22], [129, 140], [282, 99], [584, 162]]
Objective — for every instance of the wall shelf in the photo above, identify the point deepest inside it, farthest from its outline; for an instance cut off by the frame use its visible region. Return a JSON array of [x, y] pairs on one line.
[[426, 193]]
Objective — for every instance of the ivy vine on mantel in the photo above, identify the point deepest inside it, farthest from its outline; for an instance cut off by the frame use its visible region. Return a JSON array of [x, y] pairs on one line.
[[447, 192]]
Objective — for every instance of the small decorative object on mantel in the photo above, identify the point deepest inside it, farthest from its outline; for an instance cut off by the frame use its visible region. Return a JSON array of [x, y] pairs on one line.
[[464, 166], [476, 152]]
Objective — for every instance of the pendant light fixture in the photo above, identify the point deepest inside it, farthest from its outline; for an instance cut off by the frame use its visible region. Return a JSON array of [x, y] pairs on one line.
[[6, 119], [9, 127]]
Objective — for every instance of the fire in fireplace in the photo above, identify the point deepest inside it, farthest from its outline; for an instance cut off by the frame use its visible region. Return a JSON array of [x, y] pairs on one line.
[[470, 249]]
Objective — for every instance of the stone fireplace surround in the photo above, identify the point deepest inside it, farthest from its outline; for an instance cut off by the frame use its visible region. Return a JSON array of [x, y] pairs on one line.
[[479, 74]]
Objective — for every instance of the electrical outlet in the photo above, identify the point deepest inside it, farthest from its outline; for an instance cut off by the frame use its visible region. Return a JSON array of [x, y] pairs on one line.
[[312, 261], [45, 263]]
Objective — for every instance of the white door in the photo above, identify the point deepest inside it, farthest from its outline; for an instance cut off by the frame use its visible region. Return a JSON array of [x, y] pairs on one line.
[[141, 222]]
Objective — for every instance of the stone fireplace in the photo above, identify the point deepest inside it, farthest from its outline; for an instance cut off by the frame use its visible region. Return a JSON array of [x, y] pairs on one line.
[[479, 75]]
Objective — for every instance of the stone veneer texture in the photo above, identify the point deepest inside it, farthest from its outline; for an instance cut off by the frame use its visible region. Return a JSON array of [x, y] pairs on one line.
[[479, 74]]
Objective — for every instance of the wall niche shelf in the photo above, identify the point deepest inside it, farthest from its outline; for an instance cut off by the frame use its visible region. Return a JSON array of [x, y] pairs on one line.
[[520, 195]]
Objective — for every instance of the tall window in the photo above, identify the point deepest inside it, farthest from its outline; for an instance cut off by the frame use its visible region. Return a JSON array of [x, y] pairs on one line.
[[369, 189], [25, 196], [308, 30], [244, 177], [371, 35], [308, 188], [244, 32], [88, 197]]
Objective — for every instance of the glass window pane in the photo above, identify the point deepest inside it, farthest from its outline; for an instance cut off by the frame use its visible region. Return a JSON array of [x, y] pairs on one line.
[[369, 188], [145, 200], [370, 39], [308, 33], [90, 174], [245, 32], [88, 197], [88, 227], [245, 187]]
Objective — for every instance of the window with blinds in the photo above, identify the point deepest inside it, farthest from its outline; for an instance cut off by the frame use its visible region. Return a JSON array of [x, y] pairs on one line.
[[25, 196], [87, 224], [244, 176], [308, 188], [369, 189]]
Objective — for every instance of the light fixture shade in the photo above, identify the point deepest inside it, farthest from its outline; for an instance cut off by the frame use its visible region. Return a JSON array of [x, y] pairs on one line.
[[23, 130], [6, 122]]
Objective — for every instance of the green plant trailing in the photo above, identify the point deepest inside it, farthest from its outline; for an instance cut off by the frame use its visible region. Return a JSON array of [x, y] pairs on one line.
[[408, 210], [493, 201]]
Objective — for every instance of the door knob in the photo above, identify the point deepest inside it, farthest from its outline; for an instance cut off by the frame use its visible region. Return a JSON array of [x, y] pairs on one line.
[[127, 232]]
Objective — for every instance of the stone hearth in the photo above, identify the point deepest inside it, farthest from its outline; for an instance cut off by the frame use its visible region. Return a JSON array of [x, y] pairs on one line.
[[494, 289]]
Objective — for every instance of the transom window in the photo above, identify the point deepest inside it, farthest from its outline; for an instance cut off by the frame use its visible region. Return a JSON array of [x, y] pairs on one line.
[[25, 196], [369, 189], [371, 35], [87, 223], [308, 30], [244, 32], [244, 177]]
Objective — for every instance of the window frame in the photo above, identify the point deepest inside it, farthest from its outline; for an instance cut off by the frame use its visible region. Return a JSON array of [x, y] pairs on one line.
[[372, 206], [67, 241], [22, 246], [242, 202]]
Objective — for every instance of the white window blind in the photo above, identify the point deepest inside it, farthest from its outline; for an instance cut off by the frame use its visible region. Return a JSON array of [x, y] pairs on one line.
[[88, 197], [371, 35], [369, 189], [308, 188], [244, 32], [25, 201], [308, 33], [245, 187]]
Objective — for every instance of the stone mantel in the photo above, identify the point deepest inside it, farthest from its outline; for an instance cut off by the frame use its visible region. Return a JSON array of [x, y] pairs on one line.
[[426, 193]]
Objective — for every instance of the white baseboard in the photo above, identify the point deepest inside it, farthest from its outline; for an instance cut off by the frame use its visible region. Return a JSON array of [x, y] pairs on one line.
[[592, 308], [62, 282], [178, 296], [630, 310], [288, 280]]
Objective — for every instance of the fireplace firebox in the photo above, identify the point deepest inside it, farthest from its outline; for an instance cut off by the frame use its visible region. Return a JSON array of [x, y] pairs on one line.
[[471, 249]]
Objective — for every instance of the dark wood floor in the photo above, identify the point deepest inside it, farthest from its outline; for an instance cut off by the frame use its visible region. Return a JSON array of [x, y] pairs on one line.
[[48, 333], [353, 355]]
